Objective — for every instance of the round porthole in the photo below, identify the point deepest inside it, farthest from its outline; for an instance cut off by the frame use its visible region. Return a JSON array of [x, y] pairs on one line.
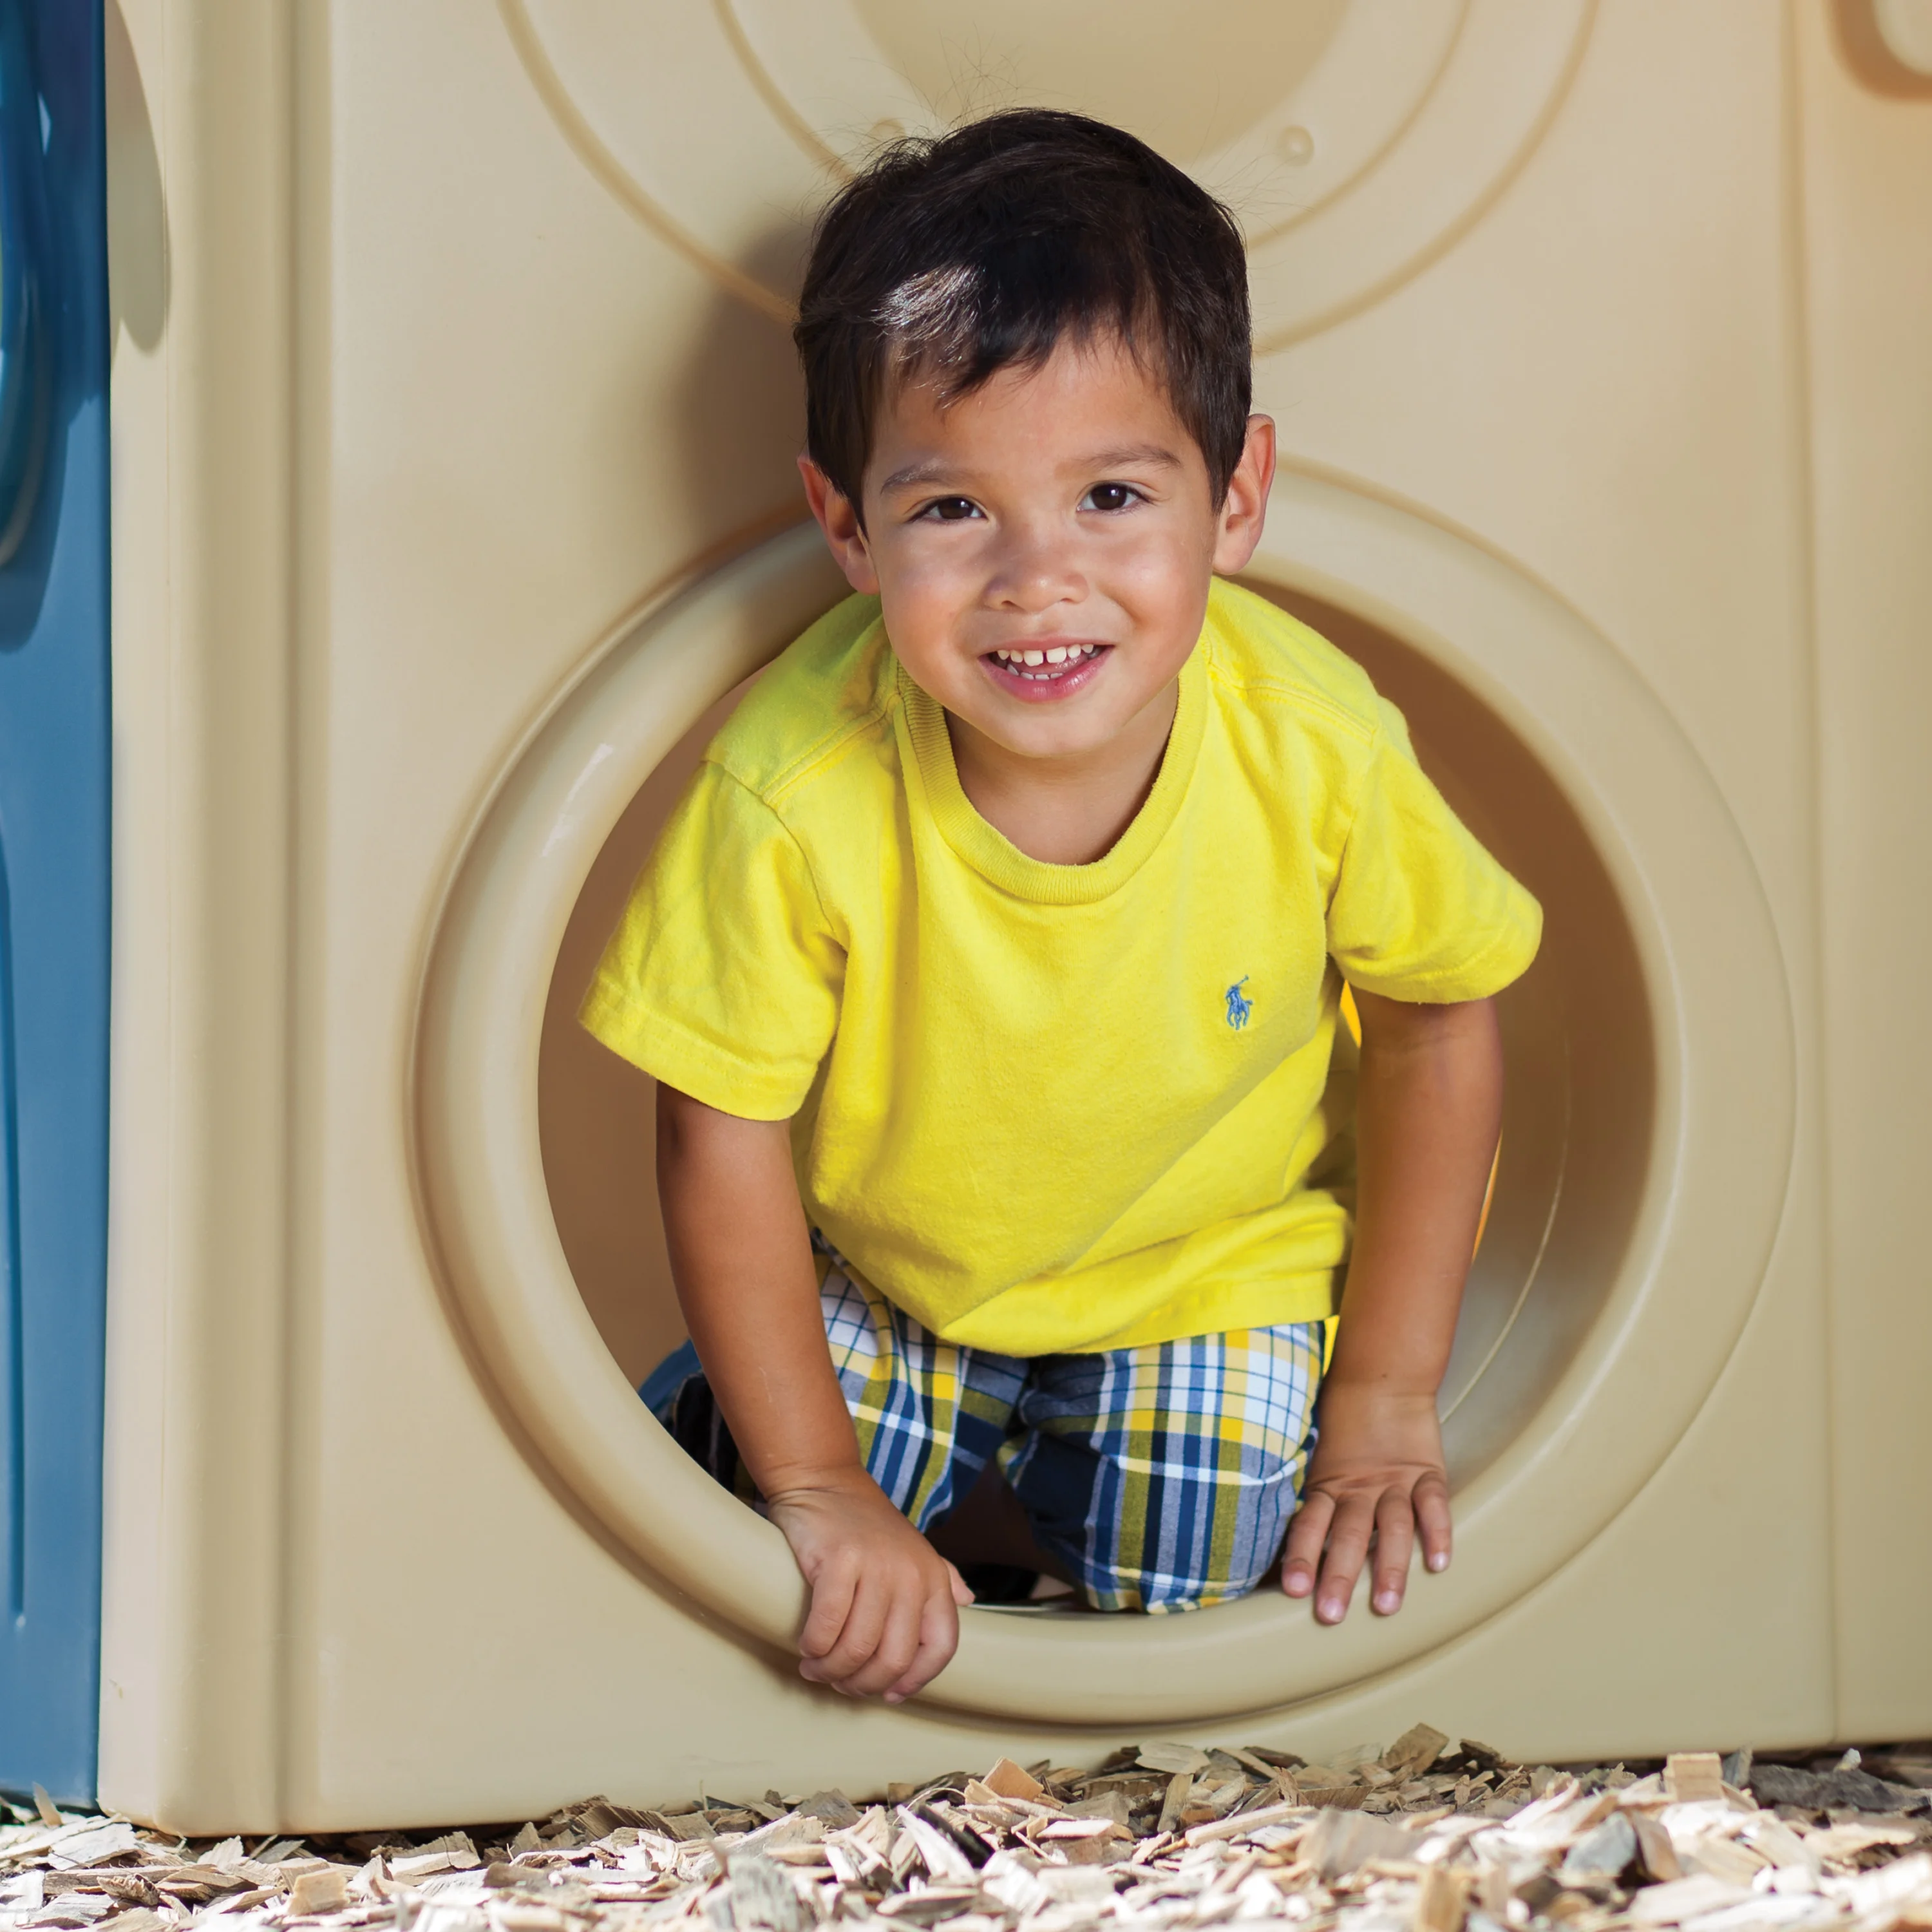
[[1634, 1211]]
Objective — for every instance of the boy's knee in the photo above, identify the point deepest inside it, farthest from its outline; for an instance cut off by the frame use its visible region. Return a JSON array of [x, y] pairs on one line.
[[1180, 1543]]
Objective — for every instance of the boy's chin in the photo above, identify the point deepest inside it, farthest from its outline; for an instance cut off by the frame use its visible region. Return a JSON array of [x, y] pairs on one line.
[[1042, 733]]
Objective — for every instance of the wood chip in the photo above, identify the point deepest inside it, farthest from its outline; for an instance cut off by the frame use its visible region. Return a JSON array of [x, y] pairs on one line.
[[1690, 1776], [420, 1865], [1109, 1804], [1720, 1857], [1178, 1787], [1248, 1821], [83, 1909], [1339, 1842], [1006, 1780], [457, 1848], [1339, 1797], [943, 1860], [112, 1840], [688, 1829], [1688, 1898], [519, 1916], [1416, 1749], [1425, 1836], [1894, 1893], [1653, 1848], [763, 1897], [1842, 1842], [318, 1891], [1441, 1900], [1063, 1828], [1847, 1787], [789, 1831], [1602, 1853]]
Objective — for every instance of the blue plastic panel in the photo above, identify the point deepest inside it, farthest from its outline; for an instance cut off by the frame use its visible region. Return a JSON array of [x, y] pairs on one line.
[[53, 887]]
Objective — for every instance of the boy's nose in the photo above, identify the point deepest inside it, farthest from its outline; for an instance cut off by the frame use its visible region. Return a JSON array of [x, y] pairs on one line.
[[1034, 573]]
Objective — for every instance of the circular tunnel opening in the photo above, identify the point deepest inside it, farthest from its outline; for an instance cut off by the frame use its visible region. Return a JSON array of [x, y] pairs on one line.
[[1578, 1034], [1637, 1204]]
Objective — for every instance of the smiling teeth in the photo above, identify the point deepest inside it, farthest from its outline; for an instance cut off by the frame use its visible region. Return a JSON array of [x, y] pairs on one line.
[[1024, 663]]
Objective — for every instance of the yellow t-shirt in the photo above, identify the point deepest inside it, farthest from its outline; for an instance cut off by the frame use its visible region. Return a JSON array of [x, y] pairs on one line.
[[1055, 1108]]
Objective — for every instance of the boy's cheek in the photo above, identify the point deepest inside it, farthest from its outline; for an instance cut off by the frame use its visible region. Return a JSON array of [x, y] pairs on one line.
[[1164, 592], [925, 612]]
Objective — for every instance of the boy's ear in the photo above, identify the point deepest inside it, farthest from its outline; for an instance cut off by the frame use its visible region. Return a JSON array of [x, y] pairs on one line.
[[1245, 510], [838, 519]]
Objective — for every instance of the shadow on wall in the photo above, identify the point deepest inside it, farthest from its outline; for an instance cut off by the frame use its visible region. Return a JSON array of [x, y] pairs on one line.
[[741, 423], [138, 263], [739, 412], [51, 264], [595, 1113], [1578, 1041], [1866, 50]]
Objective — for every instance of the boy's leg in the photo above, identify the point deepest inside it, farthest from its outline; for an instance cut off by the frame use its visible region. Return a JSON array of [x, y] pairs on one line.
[[1165, 1477], [988, 1530], [928, 1415]]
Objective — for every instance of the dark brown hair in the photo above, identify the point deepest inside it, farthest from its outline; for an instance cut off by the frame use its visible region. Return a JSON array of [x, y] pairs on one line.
[[952, 258]]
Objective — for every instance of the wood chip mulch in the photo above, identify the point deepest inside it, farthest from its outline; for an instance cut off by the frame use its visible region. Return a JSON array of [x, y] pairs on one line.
[[1430, 1835]]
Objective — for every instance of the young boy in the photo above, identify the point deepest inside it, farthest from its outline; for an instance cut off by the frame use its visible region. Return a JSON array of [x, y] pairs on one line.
[[990, 966]]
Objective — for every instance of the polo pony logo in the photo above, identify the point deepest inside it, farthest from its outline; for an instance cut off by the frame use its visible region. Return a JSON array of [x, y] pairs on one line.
[[1239, 1006]]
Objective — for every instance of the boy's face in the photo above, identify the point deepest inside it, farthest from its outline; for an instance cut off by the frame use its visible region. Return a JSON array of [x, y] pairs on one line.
[[1041, 548]]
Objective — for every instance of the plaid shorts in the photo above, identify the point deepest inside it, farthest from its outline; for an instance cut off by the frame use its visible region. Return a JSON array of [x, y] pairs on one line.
[[1163, 1477]]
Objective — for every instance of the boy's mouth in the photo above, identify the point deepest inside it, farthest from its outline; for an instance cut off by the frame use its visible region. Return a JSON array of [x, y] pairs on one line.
[[1037, 672]]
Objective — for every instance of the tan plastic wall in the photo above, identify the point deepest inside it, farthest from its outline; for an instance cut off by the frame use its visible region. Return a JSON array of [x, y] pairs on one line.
[[454, 415]]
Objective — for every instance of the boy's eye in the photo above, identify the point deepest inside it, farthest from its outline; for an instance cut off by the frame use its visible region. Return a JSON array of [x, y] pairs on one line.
[[950, 509], [1111, 496]]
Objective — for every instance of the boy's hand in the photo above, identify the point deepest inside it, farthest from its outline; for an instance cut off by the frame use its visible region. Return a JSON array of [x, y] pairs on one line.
[[1377, 1471], [884, 1615], [885, 1604]]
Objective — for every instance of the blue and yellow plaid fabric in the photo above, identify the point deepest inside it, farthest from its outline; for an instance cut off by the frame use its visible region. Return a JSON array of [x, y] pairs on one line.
[[1162, 1477]]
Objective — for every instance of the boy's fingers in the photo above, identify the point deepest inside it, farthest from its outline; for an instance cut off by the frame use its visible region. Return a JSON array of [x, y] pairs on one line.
[[831, 1593], [938, 1639], [897, 1646], [961, 1595], [1302, 1556], [865, 1622], [1433, 1516], [1395, 1543], [1348, 1550]]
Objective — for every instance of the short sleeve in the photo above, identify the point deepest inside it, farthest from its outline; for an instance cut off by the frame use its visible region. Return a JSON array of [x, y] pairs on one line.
[[723, 979], [1420, 911]]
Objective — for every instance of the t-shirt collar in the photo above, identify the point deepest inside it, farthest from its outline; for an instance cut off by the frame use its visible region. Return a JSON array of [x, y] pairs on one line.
[[994, 855]]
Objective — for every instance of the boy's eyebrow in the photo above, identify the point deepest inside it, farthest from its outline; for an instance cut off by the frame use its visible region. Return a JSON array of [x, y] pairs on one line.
[[1130, 455], [930, 471], [935, 469]]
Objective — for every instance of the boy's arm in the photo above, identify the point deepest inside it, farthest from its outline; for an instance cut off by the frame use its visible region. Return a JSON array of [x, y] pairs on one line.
[[884, 1615], [1428, 1108]]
